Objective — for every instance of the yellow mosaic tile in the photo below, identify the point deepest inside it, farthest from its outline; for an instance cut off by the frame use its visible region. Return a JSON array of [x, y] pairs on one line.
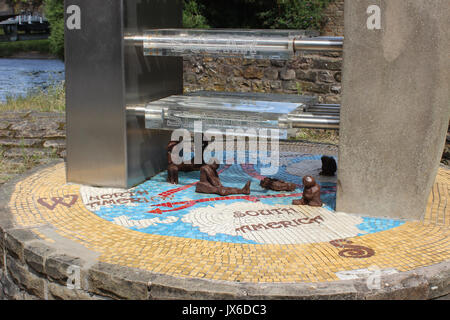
[[412, 245]]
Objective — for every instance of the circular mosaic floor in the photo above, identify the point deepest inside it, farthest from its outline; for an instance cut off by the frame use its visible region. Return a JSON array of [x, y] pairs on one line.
[[172, 230], [264, 217]]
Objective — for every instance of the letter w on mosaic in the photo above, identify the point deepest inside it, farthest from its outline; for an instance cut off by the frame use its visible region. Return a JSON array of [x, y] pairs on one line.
[[55, 201]]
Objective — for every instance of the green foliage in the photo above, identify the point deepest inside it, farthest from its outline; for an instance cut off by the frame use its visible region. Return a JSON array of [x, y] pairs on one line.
[[295, 14], [54, 11], [277, 14], [8, 49], [192, 17]]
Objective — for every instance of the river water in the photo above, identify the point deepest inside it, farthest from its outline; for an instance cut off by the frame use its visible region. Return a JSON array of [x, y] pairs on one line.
[[21, 76]]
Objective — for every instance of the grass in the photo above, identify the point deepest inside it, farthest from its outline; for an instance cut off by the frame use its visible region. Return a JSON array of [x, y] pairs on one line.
[[9, 168], [318, 135], [49, 100], [8, 49]]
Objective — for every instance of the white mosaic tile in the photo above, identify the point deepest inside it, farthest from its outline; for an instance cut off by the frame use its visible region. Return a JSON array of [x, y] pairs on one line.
[[124, 221], [364, 273], [274, 224], [95, 198]]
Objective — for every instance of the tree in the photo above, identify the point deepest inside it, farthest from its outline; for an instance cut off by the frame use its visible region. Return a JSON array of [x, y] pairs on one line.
[[295, 14], [192, 16], [257, 14], [54, 11]]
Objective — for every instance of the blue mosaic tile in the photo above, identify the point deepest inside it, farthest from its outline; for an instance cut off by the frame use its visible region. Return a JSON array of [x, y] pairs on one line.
[[183, 199]]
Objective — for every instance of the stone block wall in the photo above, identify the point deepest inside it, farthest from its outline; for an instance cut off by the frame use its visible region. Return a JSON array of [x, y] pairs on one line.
[[334, 16], [32, 134], [317, 74]]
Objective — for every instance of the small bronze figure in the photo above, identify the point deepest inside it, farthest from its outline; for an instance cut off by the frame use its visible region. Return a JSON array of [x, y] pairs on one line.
[[329, 166], [173, 169], [311, 193], [277, 185], [210, 182]]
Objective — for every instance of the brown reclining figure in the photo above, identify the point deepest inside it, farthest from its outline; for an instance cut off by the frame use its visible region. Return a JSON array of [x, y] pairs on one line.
[[277, 185], [173, 169], [210, 182], [311, 193]]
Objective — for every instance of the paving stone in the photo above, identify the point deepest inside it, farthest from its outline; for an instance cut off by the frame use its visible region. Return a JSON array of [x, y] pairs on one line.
[[57, 144], [4, 125], [14, 115], [6, 134], [24, 152], [36, 125], [23, 143], [58, 116]]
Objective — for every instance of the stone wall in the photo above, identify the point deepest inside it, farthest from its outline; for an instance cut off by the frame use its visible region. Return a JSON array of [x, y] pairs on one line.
[[317, 74], [32, 134], [334, 16]]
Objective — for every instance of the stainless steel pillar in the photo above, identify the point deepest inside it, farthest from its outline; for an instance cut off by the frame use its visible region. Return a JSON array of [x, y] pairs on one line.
[[105, 146]]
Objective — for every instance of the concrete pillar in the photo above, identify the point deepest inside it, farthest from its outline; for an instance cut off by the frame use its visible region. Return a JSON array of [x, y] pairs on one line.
[[395, 106]]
